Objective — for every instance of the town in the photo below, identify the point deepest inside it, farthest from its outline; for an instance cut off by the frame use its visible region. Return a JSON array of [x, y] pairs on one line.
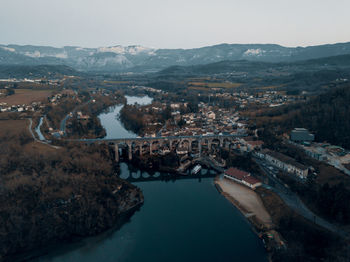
[[186, 119]]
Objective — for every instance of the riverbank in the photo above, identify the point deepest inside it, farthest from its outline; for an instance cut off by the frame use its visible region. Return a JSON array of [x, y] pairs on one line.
[[49, 196], [85, 123], [249, 203], [76, 240], [287, 236], [306, 241], [67, 221]]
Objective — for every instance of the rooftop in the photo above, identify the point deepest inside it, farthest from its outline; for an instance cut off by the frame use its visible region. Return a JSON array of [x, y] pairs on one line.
[[300, 129], [251, 180], [234, 172], [286, 159], [241, 175]]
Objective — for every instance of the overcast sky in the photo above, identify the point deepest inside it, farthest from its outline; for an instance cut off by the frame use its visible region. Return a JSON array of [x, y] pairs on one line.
[[173, 24]]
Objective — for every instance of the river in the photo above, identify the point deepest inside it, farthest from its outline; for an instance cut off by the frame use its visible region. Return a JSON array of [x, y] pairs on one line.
[[182, 220], [109, 119], [38, 131]]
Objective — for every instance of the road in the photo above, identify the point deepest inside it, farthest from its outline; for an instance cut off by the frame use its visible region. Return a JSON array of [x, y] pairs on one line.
[[35, 138], [294, 202], [31, 130]]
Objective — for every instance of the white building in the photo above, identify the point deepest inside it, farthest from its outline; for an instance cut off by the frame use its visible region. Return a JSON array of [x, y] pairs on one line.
[[286, 163]]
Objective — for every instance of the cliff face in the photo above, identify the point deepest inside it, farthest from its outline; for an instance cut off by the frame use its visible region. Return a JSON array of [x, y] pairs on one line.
[[32, 220]]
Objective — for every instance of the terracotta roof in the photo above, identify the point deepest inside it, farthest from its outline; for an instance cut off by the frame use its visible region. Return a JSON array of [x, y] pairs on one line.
[[236, 173], [251, 180]]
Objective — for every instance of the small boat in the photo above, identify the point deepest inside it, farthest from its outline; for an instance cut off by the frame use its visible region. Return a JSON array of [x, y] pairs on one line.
[[196, 169]]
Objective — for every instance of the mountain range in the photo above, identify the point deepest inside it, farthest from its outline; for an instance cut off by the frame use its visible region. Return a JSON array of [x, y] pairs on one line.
[[340, 62], [143, 59]]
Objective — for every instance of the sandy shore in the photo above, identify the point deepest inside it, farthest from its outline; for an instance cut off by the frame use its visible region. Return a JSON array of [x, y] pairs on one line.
[[246, 200], [251, 206]]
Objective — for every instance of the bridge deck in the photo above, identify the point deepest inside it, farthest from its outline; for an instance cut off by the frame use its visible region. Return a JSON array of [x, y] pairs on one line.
[[200, 137]]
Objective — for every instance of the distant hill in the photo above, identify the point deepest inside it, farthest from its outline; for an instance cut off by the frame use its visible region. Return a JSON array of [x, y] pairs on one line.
[[227, 66], [36, 71], [142, 59], [339, 61], [307, 75], [221, 67]]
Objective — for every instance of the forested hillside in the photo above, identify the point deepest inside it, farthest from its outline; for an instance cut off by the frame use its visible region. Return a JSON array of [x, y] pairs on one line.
[[327, 115], [54, 195], [36, 71]]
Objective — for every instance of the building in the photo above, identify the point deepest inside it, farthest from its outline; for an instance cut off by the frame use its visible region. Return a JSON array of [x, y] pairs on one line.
[[286, 163], [211, 115], [251, 145], [81, 116], [242, 177], [301, 135], [315, 153]]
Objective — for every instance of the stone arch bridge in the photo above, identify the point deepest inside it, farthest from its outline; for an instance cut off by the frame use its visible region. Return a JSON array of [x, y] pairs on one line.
[[162, 145]]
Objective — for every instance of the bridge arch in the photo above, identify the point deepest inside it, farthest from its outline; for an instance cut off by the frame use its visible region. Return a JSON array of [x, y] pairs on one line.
[[136, 175], [195, 146], [154, 146], [214, 144], [174, 143], [185, 143], [145, 147], [145, 175]]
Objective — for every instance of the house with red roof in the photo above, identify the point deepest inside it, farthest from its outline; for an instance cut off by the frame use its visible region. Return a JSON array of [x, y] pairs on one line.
[[242, 177]]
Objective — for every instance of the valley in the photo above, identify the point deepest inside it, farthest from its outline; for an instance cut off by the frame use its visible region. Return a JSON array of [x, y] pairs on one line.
[[99, 137]]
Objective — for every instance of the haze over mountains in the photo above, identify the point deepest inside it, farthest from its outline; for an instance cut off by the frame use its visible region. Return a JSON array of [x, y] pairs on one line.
[[142, 59]]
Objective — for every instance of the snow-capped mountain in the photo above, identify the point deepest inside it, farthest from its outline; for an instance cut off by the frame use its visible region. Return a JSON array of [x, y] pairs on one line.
[[142, 59]]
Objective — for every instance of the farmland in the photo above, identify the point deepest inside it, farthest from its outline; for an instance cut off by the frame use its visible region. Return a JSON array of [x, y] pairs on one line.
[[13, 127], [26, 96], [212, 85]]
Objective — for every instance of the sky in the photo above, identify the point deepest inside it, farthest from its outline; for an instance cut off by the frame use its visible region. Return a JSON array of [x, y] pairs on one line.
[[173, 24]]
